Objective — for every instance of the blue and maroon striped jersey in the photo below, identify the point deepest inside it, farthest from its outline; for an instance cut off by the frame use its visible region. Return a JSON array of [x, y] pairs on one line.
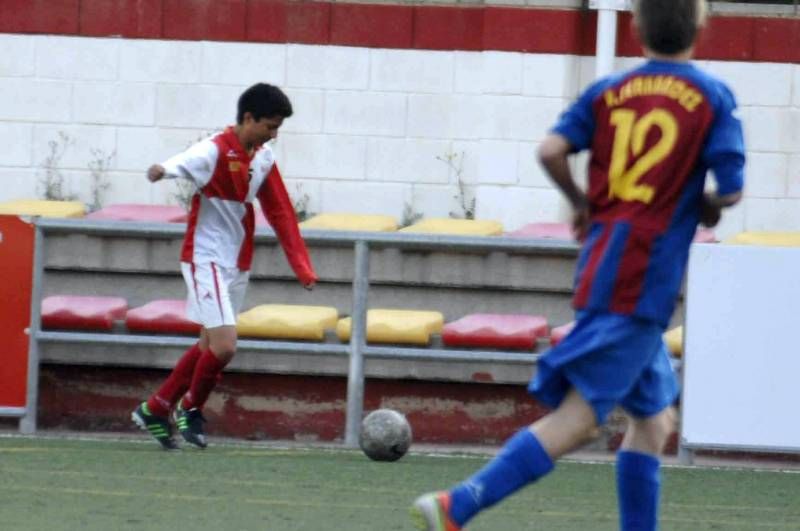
[[653, 132]]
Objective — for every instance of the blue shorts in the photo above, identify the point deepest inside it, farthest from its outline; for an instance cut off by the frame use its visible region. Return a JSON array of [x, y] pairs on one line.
[[610, 360]]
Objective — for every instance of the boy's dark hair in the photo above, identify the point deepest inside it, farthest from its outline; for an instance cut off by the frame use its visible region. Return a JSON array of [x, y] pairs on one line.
[[669, 26], [263, 100]]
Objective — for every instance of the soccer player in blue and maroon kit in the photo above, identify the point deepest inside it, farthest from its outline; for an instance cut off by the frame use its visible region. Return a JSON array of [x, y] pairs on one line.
[[653, 133]]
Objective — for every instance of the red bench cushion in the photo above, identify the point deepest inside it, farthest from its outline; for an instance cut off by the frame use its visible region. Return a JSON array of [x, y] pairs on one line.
[[134, 212], [82, 312], [161, 316], [495, 331]]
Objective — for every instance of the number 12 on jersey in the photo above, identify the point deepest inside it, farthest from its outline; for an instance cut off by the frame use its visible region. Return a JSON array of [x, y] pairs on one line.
[[629, 138]]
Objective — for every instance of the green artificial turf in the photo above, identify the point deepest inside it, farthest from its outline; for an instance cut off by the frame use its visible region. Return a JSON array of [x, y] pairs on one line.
[[55, 484]]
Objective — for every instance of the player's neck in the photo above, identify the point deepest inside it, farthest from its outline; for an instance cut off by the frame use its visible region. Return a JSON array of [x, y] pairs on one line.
[[680, 57], [244, 140]]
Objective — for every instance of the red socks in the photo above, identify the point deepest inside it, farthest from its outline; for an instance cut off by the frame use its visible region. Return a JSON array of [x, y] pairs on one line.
[[177, 383], [206, 375]]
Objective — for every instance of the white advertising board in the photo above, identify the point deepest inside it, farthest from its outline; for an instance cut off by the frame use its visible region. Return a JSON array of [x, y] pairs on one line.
[[741, 373]]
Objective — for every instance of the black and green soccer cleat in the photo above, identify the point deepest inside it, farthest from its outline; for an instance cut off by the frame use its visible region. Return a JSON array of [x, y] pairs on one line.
[[157, 426], [190, 425]]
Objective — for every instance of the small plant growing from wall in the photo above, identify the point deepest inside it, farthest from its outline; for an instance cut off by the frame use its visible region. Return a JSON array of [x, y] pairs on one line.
[[52, 186], [98, 167], [182, 193], [300, 202], [410, 213], [464, 196], [184, 189]]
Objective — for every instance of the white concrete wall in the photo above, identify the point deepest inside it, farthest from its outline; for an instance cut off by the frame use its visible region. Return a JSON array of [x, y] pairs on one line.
[[372, 129]]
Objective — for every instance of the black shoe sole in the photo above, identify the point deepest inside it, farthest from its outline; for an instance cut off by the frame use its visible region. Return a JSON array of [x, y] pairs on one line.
[[168, 444], [193, 441]]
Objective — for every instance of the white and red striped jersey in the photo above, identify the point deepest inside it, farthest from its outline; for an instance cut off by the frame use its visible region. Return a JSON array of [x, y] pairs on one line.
[[221, 220]]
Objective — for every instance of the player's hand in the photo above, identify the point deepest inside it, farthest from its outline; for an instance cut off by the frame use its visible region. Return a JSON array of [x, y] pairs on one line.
[[580, 222], [155, 173], [710, 213]]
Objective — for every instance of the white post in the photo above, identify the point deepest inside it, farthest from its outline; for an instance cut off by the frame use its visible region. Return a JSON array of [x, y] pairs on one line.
[[27, 424], [358, 339], [607, 33]]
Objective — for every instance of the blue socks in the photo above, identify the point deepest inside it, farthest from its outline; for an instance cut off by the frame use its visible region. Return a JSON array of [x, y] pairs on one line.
[[638, 485], [521, 461]]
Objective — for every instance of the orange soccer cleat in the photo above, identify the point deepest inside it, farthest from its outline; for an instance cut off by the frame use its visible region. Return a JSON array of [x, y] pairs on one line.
[[430, 512]]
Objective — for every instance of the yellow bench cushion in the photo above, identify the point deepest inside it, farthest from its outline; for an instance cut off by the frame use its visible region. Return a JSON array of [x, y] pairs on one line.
[[359, 222], [463, 227], [767, 239], [674, 341], [396, 326], [287, 321], [44, 208]]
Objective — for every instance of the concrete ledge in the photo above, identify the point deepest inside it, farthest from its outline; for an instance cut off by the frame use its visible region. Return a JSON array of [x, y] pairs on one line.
[[292, 357], [411, 271]]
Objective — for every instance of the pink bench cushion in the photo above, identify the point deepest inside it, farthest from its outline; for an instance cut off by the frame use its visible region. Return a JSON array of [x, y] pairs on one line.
[[495, 331], [261, 219], [133, 212], [704, 235], [82, 312], [161, 316], [560, 332], [563, 231], [548, 231]]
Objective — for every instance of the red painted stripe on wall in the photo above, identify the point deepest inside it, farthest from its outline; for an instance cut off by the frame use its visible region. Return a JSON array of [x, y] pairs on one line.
[[448, 28], [777, 40], [536, 30], [279, 21], [376, 26], [727, 38], [750, 39], [194, 20], [39, 16], [142, 18]]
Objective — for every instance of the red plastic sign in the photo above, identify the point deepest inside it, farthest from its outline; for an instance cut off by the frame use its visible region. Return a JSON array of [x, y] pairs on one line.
[[16, 281]]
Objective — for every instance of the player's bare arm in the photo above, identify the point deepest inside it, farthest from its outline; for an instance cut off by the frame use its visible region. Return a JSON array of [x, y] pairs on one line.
[[553, 154], [723, 201], [711, 209], [155, 173]]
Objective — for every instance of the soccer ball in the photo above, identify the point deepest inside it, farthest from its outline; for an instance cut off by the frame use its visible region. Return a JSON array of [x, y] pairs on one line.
[[385, 435]]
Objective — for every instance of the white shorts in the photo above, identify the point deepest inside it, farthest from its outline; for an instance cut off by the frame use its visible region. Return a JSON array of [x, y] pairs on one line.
[[215, 293]]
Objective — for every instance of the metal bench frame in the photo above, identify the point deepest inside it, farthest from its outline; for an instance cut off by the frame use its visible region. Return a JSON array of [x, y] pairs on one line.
[[357, 348]]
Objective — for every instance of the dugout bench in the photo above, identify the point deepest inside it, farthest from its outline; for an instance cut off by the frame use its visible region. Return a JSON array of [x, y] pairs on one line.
[[98, 246]]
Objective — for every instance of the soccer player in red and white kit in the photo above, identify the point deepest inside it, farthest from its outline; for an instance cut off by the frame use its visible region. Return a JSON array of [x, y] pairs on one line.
[[230, 170]]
